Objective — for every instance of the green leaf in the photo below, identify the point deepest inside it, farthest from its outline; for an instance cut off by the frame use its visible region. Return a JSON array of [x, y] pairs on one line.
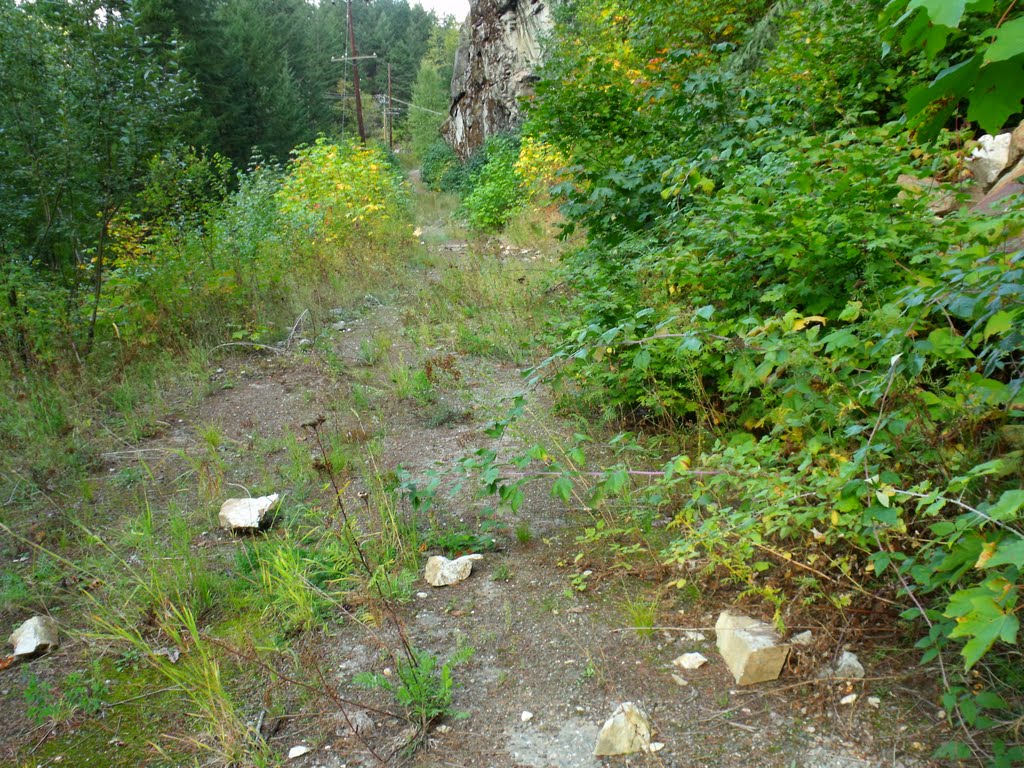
[[996, 94], [1007, 507], [616, 481], [980, 616], [881, 561], [1007, 552], [690, 344], [990, 700], [948, 346], [641, 360], [1004, 627], [851, 311], [943, 93], [706, 311], [562, 489], [943, 12], [1009, 41], [1000, 322]]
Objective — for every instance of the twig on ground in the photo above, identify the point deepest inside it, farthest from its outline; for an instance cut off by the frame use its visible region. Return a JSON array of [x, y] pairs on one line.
[[135, 452], [252, 344], [143, 696], [291, 334]]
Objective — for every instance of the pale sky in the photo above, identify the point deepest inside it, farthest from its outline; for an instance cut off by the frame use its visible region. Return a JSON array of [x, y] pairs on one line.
[[457, 8]]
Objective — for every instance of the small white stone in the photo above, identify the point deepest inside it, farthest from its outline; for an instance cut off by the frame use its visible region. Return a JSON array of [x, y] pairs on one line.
[[526, 716], [690, 661], [803, 638], [299, 751], [848, 666], [848, 699], [990, 158], [442, 572], [245, 514], [656, 746], [679, 680], [37, 635], [874, 701], [443, 729], [628, 730], [693, 636], [421, 595]]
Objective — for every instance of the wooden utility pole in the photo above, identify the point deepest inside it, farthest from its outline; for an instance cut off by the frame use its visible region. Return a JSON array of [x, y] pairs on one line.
[[355, 74], [391, 143]]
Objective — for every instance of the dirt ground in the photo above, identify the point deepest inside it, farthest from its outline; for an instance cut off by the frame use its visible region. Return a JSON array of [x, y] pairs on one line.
[[551, 660]]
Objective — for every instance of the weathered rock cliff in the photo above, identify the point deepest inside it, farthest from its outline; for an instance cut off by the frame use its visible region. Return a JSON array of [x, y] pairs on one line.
[[499, 48]]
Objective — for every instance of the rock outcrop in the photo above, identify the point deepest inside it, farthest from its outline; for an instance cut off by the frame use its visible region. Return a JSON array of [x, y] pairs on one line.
[[499, 49]]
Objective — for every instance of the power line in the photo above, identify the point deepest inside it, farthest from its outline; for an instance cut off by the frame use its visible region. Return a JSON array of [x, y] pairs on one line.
[[417, 106]]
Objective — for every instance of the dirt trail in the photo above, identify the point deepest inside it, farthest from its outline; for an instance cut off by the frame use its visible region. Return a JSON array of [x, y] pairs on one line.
[[567, 656]]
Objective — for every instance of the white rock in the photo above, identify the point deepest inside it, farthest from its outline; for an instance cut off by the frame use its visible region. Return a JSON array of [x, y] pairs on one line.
[[848, 666], [628, 730], [848, 699], [803, 638], [442, 572], [299, 751], [443, 729], [874, 701], [526, 716], [357, 722], [693, 635], [245, 514], [37, 635], [752, 649], [990, 158], [171, 653], [656, 746], [680, 681], [690, 661]]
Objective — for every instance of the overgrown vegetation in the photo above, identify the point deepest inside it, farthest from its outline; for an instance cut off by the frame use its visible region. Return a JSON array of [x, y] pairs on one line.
[[840, 369], [816, 382]]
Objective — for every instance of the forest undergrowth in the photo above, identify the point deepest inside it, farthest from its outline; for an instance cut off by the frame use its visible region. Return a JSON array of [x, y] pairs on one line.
[[793, 383], [817, 378]]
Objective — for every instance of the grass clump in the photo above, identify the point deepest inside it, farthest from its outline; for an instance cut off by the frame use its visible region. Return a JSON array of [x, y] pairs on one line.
[[422, 684]]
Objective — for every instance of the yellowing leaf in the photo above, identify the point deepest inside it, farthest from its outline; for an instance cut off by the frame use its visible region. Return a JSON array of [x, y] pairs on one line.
[[803, 322], [987, 551]]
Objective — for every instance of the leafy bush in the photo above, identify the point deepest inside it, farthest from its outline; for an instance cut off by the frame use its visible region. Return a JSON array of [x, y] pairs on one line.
[[496, 190], [441, 169], [848, 367]]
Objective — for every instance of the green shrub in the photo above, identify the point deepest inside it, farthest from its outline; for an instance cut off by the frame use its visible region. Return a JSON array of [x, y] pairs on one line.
[[421, 684], [441, 170], [496, 191]]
